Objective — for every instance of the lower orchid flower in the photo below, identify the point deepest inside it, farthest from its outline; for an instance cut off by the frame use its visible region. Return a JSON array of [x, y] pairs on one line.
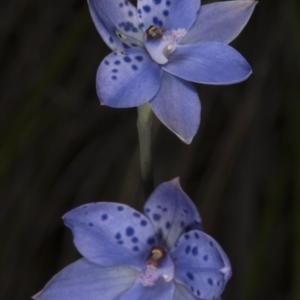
[[161, 46], [161, 255]]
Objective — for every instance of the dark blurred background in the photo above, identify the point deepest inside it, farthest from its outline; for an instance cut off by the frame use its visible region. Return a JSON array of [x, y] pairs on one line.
[[59, 148]]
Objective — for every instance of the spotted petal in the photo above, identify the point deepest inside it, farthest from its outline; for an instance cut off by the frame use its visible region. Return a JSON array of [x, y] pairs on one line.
[[220, 22], [84, 280], [169, 14], [210, 63], [127, 80], [171, 212], [117, 23], [178, 107], [201, 265], [111, 234], [161, 290]]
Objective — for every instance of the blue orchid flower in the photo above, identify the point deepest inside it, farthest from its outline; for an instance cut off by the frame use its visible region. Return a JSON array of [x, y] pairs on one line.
[[163, 44], [163, 254]]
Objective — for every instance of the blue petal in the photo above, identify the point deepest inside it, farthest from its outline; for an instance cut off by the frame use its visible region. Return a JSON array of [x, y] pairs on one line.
[[220, 22], [127, 80], [178, 107], [210, 63], [161, 291], [201, 265], [84, 280], [111, 234], [171, 212], [169, 14], [117, 23], [182, 293]]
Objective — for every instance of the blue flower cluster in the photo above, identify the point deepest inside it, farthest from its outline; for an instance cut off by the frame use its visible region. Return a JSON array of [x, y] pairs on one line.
[[162, 255], [161, 46]]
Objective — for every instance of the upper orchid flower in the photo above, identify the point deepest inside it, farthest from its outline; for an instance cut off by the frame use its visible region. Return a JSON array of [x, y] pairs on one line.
[[163, 44], [163, 255]]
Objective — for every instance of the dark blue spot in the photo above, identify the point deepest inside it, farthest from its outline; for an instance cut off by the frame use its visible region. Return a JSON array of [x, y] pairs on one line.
[[142, 25], [182, 224], [121, 5], [126, 3], [120, 208], [195, 251], [106, 62], [135, 240], [165, 209], [210, 281], [156, 217], [118, 235], [134, 45], [198, 293], [105, 216], [114, 77], [129, 231], [168, 3], [187, 249], [127, 59], [91, 224], [143, 223], [134, 29], [125, 46], [168, 225], [86, 213], [151, 241], [196, 235], [136, 214], [135, 248], [190, 275], [192, 289], [117, 62], [158, 206], [185, 211], [175, 259], [218, 283], [166, 13], [205, 257], [157, 1], [111, 40], [130, 13], [115, 71], [134, 67], [120, 242], [139, 58], [146, 8], [147, 210], [186, 236], [139, 11], [211, 243], [155, 20], [160, 23]]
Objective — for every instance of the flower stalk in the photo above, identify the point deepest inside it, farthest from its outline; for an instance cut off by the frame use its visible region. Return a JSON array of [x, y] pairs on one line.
[[144, 125]]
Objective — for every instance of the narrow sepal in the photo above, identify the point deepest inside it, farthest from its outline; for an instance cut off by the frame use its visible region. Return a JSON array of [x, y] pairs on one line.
[[220, 22], [177, 106], [210, 63]]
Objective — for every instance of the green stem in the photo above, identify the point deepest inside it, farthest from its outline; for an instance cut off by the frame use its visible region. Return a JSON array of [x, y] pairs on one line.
[[144, 125]]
